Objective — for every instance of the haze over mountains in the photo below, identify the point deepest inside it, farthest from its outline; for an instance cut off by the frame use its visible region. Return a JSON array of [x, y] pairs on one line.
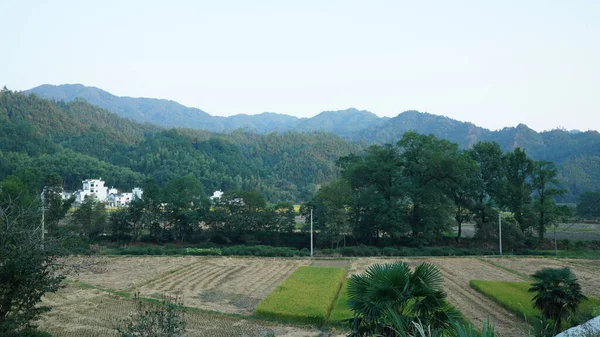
[[577, 154]]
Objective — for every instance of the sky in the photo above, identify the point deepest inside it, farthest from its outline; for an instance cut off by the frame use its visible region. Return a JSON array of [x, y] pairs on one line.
[[493, 63]]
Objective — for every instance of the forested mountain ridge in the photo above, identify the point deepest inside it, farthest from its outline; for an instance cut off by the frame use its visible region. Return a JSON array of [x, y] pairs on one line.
[[172, 114], [78, 141], [576, 154]]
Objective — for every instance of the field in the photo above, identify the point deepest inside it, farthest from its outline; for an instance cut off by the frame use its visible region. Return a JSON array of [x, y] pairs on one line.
[[515, 297], [306, 296], [79, 311], [235, 286]]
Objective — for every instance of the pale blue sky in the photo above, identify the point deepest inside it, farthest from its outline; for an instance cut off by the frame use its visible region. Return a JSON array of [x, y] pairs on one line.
[[494, 63]]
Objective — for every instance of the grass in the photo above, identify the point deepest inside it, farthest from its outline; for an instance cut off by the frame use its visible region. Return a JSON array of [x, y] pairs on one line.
[[515, 297], [340, 311], [306, 296]]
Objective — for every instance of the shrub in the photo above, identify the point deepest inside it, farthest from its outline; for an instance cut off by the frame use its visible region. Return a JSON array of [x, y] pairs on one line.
[[165, 319]]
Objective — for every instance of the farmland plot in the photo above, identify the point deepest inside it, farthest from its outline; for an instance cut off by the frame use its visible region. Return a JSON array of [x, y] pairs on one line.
[[586, 272], [225, 284], [475, 306], [124, 273], [88, 312]]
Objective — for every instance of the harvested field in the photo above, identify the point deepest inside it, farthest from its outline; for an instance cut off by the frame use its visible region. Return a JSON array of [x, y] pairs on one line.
[[87, 312], [475, 306], [236, 285], [586, 271], [123, 273], [225, 284]]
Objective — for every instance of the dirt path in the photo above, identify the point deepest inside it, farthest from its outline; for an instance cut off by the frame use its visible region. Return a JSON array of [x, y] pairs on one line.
[[475, 306]]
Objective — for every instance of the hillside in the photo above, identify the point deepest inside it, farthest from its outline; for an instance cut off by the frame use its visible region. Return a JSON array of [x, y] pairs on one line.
[[172, 114], [78, 141], [576, 153]]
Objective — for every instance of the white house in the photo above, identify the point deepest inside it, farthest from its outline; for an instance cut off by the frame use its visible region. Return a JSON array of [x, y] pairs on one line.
[[119, 199], [216, 196], [92, 187]]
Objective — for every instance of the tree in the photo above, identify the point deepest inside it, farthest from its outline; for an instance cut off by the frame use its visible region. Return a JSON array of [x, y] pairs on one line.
[[488, 156], [588, 205], [56, 207], [378, 205], [427, 167], [544, 182], [185, 202], [557, 293], [464, 187], [393, 292], [517, 189], [28, 267], [90, 217], [331, 209]]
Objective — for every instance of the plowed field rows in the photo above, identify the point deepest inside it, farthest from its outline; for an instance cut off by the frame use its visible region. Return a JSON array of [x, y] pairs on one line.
[[122, 273], [231, 285]]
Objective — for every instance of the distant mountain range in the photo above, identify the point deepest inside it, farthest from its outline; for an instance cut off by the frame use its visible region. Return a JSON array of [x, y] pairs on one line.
[[172, 114], [576, 153]]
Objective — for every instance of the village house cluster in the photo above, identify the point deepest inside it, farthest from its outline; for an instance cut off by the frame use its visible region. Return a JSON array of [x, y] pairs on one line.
[[111, 196]]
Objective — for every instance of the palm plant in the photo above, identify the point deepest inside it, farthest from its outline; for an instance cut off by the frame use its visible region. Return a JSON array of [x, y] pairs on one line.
[[388, 296], [557, 293]]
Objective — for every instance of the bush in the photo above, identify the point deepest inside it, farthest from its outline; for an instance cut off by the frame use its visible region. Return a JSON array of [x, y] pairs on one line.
[[306, 296]]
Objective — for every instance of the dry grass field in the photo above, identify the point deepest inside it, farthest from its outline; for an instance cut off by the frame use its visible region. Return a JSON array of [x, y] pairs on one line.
[[79, 312], [236, 285]]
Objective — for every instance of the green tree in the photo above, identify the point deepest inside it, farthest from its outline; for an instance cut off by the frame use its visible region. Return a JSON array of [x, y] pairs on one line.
[[331, 209], [185, 203], [28, 266], [517, 189], [464, 187], [395, 292], [588, 205], [488, 156], [544, 182], [56, 208], [427, 167], [91, 217], [379, 206], [557, 293]]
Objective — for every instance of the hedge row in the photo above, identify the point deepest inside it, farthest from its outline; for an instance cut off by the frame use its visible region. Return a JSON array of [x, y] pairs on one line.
[[404, 251], [271, 251], [224, 251]]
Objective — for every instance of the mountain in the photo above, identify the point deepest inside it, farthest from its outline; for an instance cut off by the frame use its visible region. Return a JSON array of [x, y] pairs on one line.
[[168, 113]]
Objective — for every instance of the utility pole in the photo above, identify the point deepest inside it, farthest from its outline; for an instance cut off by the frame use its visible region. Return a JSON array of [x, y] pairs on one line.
[[43, 224], [500, 229], [311, 232]]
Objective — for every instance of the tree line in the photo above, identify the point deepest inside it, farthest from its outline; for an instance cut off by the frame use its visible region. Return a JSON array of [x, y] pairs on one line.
[[418, 189]]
